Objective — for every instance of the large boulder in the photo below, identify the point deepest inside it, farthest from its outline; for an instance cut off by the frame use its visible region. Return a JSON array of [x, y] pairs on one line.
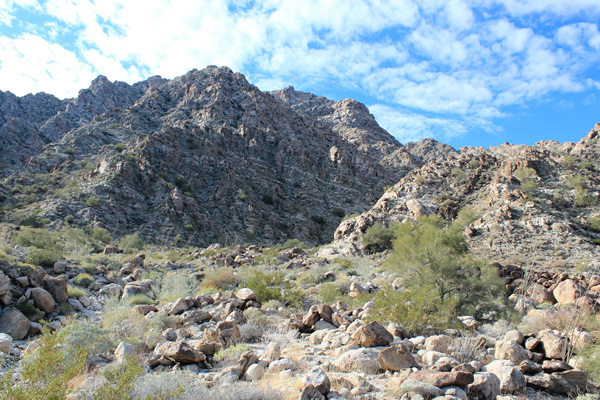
[[421, 388], [359, 360], [227, 333], [540, 294], [57, 288], [179, 352], [485, 386], [438, 343], [396, 358], [43, 300], [246, 294], [554, 345], [371, 335], [567, 292], [510, 350], [319, 379], [14, 323], [511, 379], [441, 379], [5, 343]]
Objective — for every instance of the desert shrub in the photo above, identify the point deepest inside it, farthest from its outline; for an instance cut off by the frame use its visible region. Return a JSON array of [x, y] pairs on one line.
[[120, 380], [29, 310], [569, 161], [273, 286], [474, 164], [594, 223], [232, 353], [140, 299], [176, 285], [33, 221], [318, 219], [40, 238], [590, 166], [64, 308], [432, 254], [467, 348], [221, 279], [119, 147], [255, 316], [101, 235], [251, 332], [329, 293], [377, 238], [75, 292], [557, 319], [583, 198], [591, 361], [293, 243], [93, 202], [83, 279], [42, 257], [526, 177], [47, 371], [338, 212], [133, 241]]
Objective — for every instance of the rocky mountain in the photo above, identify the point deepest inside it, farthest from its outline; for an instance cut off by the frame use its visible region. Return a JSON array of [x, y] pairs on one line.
[[205, 157], [535, 205]]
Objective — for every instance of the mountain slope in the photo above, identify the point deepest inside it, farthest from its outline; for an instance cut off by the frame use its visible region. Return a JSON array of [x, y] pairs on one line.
[[206, 157], [536, 205]]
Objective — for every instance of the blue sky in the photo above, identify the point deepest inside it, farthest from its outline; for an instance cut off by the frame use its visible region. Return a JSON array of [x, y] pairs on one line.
[[465, 72]]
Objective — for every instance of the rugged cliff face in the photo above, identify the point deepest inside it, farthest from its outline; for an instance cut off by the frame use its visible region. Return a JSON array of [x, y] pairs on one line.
[[206, 157], [536, 205]]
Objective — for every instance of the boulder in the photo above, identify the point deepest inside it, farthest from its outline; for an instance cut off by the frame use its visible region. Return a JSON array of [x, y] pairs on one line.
[[280, 365], [511, 379], [144, 309], [179, 352], [254, 372], [43, 300], [540, 294], [319, 379], [438, 343], [14, 323], [111, 290], [57, 288], [485, 386], [441, 379], [567, 292], [396, 358], [272, 352], [123, 351], [554, 345], [371, 335], [179, 306], [227, 333], [311, 393], [5, 343], [510, 350], [515, 335], [359, 360], [246, 294], [424, 389]]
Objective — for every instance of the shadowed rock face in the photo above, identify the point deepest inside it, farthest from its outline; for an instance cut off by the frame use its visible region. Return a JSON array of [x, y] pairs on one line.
[[534, 204], [208, 157]]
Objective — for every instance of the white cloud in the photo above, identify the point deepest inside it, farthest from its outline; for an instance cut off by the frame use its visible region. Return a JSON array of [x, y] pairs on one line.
[[30, 64], [561, 8]]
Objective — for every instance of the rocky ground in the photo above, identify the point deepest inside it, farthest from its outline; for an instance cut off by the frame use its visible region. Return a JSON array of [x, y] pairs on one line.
[[223, 341]]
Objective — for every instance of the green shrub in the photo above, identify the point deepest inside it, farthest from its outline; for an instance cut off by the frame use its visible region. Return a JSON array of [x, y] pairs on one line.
[[591, 361], [120, 380], [83, 280], [339, 212], [34, 221], [46, 372], [140, 299], [318, 219], [590, 166], [69, 219], [102, 235], [42, 257], [133, 241], [293, 243], [526, 177], [69, 151], [569, 161], [241, 195], [594, 223], [92, 202], [189, 227], [232, 353], [120, 147], [221, 279], [176, 285], [75, 292], [29, 310], [377, 238]]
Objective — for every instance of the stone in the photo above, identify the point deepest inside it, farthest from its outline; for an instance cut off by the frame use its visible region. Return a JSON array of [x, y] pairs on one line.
[[424, 389], [397, 330], [178, 307], [529, 367], [567, 292], [272, 352], [441, 379], [311, 393], [371, 335], [179, 352], [57, 288], [511, 379], [437, 343], [396, 358], [550, 366], [254, 372], [144, 309], [356, 289], [14, 323], [246, 294], [5, 343], [319, 379], [311, 316], [123, 351], [43, 300], [169, 334], [553, 344], [196, 316], [280, 365], [510, 350], [359, 360], [207, 348], [485, 386], [456, 392], [516, 336], [540, 294], [227, 333], [133, 288], [111, 290]]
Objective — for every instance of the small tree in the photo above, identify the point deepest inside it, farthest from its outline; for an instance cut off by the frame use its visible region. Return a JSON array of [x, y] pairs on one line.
[[377, 238], [429, 253]]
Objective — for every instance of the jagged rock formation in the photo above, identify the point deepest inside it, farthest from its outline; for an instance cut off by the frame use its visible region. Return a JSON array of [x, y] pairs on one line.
[[206, 157], [534, 202]]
